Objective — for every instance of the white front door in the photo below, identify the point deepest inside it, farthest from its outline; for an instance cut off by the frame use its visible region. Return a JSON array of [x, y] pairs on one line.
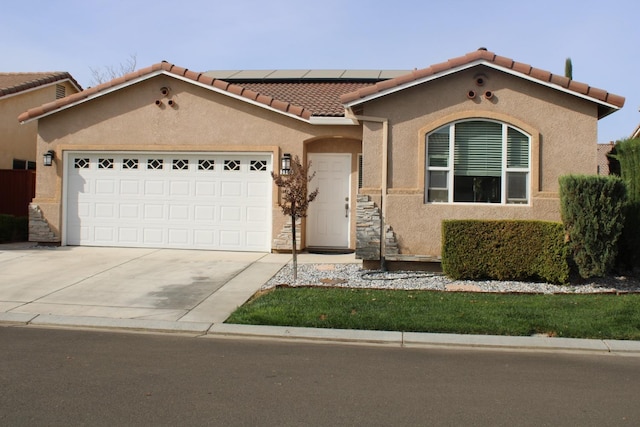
[[328, 215]]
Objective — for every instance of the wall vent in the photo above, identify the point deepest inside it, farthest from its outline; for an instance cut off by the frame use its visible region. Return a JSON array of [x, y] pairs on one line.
[[61, 91]]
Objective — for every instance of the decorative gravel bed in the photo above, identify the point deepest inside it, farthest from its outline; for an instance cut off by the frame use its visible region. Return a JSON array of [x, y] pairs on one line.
[[352, 276]]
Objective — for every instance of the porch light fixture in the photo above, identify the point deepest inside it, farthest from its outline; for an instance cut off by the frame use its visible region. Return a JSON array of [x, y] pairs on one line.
[[285, 164], [47, 158]]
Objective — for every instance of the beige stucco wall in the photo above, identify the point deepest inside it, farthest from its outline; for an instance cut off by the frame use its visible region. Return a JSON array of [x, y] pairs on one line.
[[202, 121], [563, 131], [19, 141]]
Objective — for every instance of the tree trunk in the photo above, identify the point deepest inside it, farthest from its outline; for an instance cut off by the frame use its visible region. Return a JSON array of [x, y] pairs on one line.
[[293, 249]]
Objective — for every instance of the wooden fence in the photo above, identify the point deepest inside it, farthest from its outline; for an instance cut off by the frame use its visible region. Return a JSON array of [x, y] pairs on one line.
[[17, 189]]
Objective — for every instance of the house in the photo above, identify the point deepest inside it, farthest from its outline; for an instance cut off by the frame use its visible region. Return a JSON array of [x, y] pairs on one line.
[[168, 157], [19, 92], [603, 157]]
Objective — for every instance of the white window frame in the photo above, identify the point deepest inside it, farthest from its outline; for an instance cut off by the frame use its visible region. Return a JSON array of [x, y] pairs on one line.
[[504, 169]]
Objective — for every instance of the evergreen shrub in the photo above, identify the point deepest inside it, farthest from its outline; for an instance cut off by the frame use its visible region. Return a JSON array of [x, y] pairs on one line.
[[626, 156], [593, 210]]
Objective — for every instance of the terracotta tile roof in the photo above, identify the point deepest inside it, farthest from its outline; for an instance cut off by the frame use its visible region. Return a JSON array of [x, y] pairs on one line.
[[234, 89], [322, 98], [11, 83], [482, 55]]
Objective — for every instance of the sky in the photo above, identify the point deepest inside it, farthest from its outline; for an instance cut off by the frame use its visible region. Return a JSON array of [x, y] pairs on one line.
[[602, 38]]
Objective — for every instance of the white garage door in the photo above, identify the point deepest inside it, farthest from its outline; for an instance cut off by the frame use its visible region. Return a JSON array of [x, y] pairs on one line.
[[169, 200]]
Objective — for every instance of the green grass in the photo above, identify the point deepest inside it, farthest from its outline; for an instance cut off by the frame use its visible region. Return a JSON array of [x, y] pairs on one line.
[[601, 316]]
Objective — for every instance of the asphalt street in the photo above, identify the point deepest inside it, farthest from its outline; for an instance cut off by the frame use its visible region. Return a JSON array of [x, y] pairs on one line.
[[75, 377]]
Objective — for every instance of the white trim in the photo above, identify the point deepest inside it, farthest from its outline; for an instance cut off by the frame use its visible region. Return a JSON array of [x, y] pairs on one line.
[[315, 120], [65, 193], [450, 168], [182, 78], [93, 96], [471, 65]]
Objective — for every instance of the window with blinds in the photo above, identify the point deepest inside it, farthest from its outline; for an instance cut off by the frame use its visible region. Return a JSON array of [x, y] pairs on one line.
[[477, 161]]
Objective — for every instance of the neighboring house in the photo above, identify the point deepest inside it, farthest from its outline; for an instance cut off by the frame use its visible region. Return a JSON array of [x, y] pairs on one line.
[[603, 159], [636, 133], [168, 157], [19, 92]]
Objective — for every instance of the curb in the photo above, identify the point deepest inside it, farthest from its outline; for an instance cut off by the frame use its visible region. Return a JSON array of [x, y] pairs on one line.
[[50, 320], [344, 336], [427, 340]]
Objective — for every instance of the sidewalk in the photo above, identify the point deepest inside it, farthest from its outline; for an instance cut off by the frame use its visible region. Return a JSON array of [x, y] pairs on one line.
[[144, 290]]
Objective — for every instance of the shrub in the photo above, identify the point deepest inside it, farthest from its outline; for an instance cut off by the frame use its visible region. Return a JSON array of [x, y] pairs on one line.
[[13, 229], [505, 250], [592, 209], [626, 155]]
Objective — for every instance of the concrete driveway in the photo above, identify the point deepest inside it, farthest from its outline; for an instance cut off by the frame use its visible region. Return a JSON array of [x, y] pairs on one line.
[[129, 283]]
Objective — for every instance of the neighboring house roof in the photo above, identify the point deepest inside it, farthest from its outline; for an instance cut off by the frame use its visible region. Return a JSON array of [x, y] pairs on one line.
[[12, 83], [607, 102], [636, 133], [603, 160]]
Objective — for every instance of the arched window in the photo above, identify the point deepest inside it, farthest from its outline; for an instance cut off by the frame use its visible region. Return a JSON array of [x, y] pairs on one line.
[[477, 161]]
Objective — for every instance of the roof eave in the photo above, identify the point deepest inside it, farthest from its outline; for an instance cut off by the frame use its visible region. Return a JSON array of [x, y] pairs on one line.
[[89, 97], [234, 96], [604, 109], [327, 121], [153, 74]]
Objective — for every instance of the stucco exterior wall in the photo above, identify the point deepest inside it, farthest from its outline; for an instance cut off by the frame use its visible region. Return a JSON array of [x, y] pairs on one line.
[[18, 141], [563, 130], [200, 121]]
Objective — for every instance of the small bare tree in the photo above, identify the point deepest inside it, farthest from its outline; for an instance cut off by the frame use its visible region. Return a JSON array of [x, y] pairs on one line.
[[295, 199], [110, 72]]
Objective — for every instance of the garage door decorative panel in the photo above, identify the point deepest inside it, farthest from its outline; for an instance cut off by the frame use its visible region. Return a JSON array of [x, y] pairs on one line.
[[200, 201]]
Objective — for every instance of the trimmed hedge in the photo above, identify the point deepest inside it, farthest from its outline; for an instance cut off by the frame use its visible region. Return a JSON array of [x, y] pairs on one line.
[[505, 250], [13, 228], [593, 211]]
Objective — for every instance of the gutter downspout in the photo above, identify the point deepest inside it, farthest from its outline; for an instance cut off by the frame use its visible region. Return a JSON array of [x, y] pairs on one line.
[[385, 174]]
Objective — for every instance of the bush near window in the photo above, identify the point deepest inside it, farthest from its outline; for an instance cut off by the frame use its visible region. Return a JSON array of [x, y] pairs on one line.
[[505, 250], [593, 210], [13, 229], [625, 162]]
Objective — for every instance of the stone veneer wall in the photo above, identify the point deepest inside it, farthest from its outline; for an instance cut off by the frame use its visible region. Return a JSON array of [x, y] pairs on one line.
[[368, 231], [284, 241], [39, 229]]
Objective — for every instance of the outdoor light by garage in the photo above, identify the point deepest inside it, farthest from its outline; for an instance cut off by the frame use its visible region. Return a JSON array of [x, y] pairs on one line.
[[285, 164], [47, 158]]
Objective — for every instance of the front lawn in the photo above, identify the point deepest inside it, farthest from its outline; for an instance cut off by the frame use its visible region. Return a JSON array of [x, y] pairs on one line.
[[601, 316]]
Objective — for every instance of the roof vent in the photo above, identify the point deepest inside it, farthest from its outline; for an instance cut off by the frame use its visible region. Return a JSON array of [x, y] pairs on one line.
[[482, 48]]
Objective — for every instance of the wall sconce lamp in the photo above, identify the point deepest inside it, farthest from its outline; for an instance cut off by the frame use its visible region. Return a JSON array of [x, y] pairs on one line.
[[47, 158], [285, 164]]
